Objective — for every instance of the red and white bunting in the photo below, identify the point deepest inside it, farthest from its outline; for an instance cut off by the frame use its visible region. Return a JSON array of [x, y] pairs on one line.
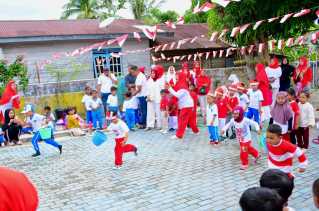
[[261, 47], [302, 13], [195, 56], [207, 55], [271, 45], [228, 51], [76, 52], [57, 55], [170, 25], [154, 58], [180, 21], [157, 48], [116, 55], [214, 54], [183, 57], [290, 42], [223, 33], [235, 31], [206, 7], [169, 58], [121, 40], [213, 37], [172, 45], [281, 44], [163, 56], [137, 36], [194, 39], [251, 48], [285, 18], [243, 51], [164, 47], [174, 59], [221, 53], [179, 44], [189, 57], [111, 42], [200, 55], [243, 28], [196, 8], [222, 3], [257, 24], [150, 32], [301, 40], [270, 20]]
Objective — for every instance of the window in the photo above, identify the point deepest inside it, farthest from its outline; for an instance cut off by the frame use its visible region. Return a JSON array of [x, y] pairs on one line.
[[103, 59]]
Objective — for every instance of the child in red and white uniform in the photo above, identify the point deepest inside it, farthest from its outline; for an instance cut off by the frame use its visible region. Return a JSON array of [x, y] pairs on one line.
[[243, 97], [233, 97], [164, 111], [172, 112], [242, 126], [281, 152], [296, 115], [120, 129], [222, 103], [185, 106]]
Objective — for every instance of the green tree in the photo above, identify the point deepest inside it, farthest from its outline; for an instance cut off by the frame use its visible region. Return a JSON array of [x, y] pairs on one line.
[[82, 9], [189, 17], [109, 8], [157, 16], [17, 71], [142, 8]]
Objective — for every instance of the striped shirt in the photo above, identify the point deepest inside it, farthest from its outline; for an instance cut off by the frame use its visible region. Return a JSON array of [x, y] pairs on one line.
[[281, 156]]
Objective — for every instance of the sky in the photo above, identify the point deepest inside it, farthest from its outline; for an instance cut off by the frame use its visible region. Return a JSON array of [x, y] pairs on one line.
[[52, 9]]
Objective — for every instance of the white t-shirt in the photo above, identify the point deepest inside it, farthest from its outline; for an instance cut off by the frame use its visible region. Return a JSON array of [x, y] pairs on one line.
[[95, 103], [112, 101], [255, 97], [36, 121], [119, 129], [106, 82], [212, 111], [141, 81], [153, 91], [274, 73], [130, 104], [243, 101], [86, 99], [185, 100]]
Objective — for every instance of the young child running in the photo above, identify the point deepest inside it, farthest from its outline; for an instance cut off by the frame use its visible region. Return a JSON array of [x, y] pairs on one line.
[[282, 152], [307, 120], [120, 129], [242, 127], [281, 113], [255, 100], [212, 118], [296, 115]]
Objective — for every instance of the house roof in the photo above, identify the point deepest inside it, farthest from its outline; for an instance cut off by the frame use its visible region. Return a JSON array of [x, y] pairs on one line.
[[64, 27], [190, 31]]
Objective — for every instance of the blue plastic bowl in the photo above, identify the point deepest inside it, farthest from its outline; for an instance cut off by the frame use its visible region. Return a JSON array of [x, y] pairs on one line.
[[99, 138]]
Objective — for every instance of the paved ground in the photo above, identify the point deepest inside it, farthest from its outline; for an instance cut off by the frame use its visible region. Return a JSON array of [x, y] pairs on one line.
[[167, 175]]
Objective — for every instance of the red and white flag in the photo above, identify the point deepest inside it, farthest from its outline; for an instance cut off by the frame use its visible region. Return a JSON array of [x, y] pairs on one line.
[[243, 50], [235, 31], [261, 47], [121, 40], [76, 52], [111, 42], [285, 18], [222, 3], [206, 7], [157, 48], [189, 57], [281, 44], [183, 57], [170, 25], [154, 58], [194, 39], [271, 45], [163, 56], [257, 24], [251, 48], [243, 28], [195, 56], [290, 42], [164, 47], [200, 55], [221, 53], [270, 20], [196, 8], [223, 33], [207, 55], [213, 37], [180, 20], [150, 32], [172, 45], [301, 40], [137, 36], [302, 13], [228, 51]]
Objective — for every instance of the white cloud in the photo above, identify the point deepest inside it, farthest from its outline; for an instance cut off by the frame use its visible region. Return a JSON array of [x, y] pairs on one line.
[[52, 9]]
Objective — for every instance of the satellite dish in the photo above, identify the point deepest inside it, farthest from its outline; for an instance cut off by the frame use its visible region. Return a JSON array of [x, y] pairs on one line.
[[106, 22]]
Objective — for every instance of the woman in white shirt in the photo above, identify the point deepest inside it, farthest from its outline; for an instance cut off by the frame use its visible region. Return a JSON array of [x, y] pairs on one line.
[[274, 72]]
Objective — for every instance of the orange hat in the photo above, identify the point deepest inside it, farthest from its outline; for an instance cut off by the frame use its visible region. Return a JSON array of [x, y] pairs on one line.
[[253, 83]]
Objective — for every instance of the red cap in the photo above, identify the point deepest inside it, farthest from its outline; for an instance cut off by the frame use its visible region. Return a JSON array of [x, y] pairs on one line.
[[219, 91]]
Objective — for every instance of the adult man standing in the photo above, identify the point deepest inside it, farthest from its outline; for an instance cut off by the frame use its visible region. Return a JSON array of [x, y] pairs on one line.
[[130, 78], [141, 93], [105, 81]]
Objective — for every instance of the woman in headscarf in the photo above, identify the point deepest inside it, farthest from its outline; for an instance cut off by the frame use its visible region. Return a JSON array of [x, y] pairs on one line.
[[203, 84], [233, 79], [171, 75], [281, 113], [274, 73], [302, 76], [159, 72], [287, 73], [185, 106], [12, 127], [9, 99], [153, 101]]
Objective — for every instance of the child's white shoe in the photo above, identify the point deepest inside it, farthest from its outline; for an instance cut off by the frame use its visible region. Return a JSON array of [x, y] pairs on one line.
[[116, 167], [164, 131], [174, 137]]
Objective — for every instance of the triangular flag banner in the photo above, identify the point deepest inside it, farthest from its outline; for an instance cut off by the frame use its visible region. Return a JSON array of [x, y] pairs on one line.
[[195, 56], [221, 53], [150, 32], [163, 56], [258, 24], [189, 57], [183, 57], [207, 55], [213, 37], [174, 59], [222, 3], [244, 28], [200, 55], [243, 51], [57, 55], [179, 44], [111, 42], [271, 45], [223, 33], [196, 8], [235, 31], [290, 42], [137, 36], [172, 45], [101, 45], [154, 59], [302, 13], [214, 54], [301, 40], [314, 38], [171, 25], [270, 20], [206, 7], [194, 39], [164, 47], [180, 20], [251, 48], [228, 51], [121, 40], [285, 18], [261, 47], [281, 44], [169, 58], [157, 48]]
